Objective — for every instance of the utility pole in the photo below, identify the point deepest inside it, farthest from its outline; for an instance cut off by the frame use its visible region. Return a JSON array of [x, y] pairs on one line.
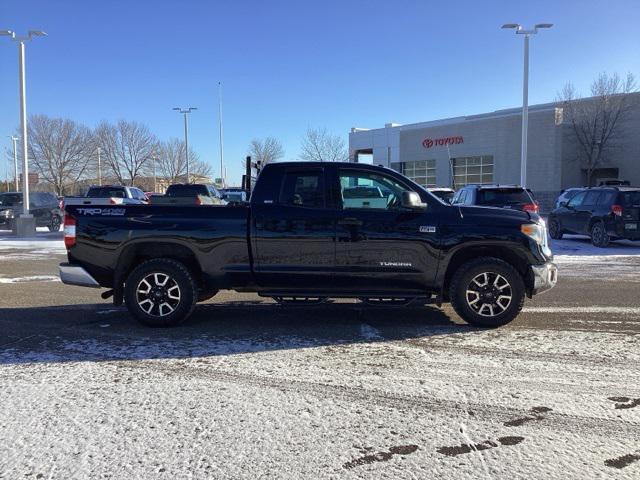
[[14, 140], [222, 172], [25, 223], [525, 93], [186, 112], [99, 169]]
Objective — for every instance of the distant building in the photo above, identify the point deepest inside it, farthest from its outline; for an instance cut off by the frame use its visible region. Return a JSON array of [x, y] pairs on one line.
[[485, 148]]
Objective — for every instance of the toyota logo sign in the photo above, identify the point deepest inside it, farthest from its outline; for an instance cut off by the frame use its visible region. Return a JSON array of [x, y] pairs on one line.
[[439, 142]]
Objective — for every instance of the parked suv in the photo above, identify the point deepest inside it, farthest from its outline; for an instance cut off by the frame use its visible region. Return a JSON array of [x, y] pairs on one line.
[[512, 197], [190, 194], [44, 206], [603, 213]]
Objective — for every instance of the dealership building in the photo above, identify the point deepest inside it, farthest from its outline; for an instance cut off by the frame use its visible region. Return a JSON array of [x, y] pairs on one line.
[[485, 149]]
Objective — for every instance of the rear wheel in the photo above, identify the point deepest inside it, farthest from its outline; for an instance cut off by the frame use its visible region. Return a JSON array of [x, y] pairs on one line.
[[160, 292], [599, 236], [555, 231], [487, 292]]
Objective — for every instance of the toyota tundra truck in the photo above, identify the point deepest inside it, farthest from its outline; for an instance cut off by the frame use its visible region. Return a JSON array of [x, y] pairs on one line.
[[310, 232]]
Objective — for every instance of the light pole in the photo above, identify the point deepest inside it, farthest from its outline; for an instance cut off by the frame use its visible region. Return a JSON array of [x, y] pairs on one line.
[[222, 172], [14, 140], [25, 224], [186, 112], [525, 92], [99, 168]]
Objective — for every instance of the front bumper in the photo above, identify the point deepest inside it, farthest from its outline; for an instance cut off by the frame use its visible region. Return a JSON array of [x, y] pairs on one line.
[[545, 277], [75, 275]]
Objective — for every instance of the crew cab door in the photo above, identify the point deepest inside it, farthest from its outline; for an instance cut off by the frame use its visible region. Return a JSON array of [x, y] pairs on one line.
[[382, 246], [294, 231]]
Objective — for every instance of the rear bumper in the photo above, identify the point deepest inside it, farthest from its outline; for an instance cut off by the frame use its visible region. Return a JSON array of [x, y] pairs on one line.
[[75, 275], [545, 277]]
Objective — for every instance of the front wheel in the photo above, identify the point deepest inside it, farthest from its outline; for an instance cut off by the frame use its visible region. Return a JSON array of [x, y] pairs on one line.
[[54, 224], [487, 292], [160, 292]]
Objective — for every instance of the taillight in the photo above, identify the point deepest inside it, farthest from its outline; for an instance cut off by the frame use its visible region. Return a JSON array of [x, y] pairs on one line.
[[616, 210], [198, 201], [69, 231], [531, 208], [112, 201]]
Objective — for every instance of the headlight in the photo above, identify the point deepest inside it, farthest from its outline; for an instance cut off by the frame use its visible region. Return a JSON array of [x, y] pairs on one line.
[[537, 232]]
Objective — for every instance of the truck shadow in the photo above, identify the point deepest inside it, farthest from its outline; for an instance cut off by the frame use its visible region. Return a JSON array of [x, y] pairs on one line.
[[100, 332]]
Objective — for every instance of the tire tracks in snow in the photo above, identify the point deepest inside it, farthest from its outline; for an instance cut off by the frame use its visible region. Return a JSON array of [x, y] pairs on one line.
[[482, 412]]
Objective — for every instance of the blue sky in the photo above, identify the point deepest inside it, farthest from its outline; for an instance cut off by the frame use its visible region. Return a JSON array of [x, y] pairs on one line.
[[290, 65]]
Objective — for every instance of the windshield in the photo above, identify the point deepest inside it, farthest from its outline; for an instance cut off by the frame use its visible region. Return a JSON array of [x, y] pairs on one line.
[[503, 196], [186, 190], [10, 199], [443, 195]]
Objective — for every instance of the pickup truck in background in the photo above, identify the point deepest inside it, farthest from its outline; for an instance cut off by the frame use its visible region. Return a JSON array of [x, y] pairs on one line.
[[109, 195], [189, 194], [310, 232]]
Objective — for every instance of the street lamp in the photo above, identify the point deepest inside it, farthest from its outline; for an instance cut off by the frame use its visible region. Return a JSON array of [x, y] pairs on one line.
[[14, 140], [525, 92], [186, 112], [25, 224]]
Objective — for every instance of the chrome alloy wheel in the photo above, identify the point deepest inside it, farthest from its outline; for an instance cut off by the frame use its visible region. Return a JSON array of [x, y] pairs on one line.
[[158, 294], [489, 294]]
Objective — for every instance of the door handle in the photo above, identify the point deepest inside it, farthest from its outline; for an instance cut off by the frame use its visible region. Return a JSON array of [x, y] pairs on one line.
[[350, 222]]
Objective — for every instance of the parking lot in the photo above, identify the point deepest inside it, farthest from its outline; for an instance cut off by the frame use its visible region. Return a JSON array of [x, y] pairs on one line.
[[251, 389]]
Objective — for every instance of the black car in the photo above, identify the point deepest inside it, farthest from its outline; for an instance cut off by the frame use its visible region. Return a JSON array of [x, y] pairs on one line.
[[44, 206], [512, 197], [603, 213]]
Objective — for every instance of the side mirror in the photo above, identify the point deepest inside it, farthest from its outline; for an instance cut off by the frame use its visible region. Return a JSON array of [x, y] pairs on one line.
[[412, 200], [564, 204]]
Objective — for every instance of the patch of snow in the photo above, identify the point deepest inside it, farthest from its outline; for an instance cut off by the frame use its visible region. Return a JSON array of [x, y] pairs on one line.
[[31, 278]]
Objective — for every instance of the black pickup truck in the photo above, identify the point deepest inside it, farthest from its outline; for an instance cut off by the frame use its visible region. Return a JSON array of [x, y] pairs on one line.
[[313, 231]]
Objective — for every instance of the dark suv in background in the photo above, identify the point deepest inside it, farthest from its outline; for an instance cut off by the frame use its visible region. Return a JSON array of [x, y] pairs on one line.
[[504, 196], [603, 213], [44, 206]]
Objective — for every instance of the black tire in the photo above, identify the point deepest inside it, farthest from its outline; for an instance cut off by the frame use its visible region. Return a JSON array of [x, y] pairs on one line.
[[54, 224], [493, 310], [166, 310], [555, 231], [204, 295], [599, 236]]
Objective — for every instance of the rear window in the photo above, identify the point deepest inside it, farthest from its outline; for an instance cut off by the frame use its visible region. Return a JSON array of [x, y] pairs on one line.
[[630, 199], [503, 196], [186, 190], [106, 192]]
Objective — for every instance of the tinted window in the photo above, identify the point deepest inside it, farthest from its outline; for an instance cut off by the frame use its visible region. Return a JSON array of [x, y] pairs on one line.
[[303, 189], [9, 199], [591, 198], [370, 190], [502, 196], [577, 200], [186, 190], [606, 198], [630, 199], [106, 192], [446, 196]]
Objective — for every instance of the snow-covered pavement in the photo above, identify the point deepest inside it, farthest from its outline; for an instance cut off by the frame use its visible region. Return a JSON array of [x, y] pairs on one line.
[[249, 389]]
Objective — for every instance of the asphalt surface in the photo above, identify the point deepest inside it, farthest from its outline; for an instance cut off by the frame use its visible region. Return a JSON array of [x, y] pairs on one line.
[[421, 368]]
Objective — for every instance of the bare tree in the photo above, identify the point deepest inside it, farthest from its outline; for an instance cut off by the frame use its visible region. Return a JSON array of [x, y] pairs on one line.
[[172, 165], [127, 149], [318, 145], [596, 122], [59, 151], [265, 151]]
